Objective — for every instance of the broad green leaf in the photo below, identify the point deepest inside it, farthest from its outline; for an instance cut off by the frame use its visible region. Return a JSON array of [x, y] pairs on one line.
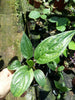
[[61, 28], [46, 11], [26, 47], [40, 77], [52, 47], [65, 53], [60, 68], [57, 60], [72, 45], [61, 87], [43, 16], [14, 65], [34, 14], [61, 24], [21, 80], [53, 19]]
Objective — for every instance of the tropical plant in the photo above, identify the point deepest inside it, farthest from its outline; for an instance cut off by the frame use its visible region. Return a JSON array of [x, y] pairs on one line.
[[48, 50], [40, 17], [37, 14], [61, 23], [72, 45]]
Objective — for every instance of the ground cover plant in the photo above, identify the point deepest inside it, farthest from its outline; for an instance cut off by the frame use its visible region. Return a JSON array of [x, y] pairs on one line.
[[61, 23], [47, 51]]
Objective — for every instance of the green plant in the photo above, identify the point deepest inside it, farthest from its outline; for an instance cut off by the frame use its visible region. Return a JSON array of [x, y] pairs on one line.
[[61, 87], [48, 50], [72, 45], [34, 15], [61, 23], [54, 67], [65, 52], [37, 14]]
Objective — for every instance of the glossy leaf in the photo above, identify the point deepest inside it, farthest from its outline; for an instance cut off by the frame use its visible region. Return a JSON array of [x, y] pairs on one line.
[[53, 19], [61, 87], [21, 80], [46, 11], [65, 53], [40, 77], [34, 14], [52, 47], [61, 28], [43, 16], [14, 65], [62, 21], [72, 45], [61, 24], [26, 47], [57, 60]]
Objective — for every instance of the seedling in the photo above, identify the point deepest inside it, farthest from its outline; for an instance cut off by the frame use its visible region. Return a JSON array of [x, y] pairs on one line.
[[47, 51]]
